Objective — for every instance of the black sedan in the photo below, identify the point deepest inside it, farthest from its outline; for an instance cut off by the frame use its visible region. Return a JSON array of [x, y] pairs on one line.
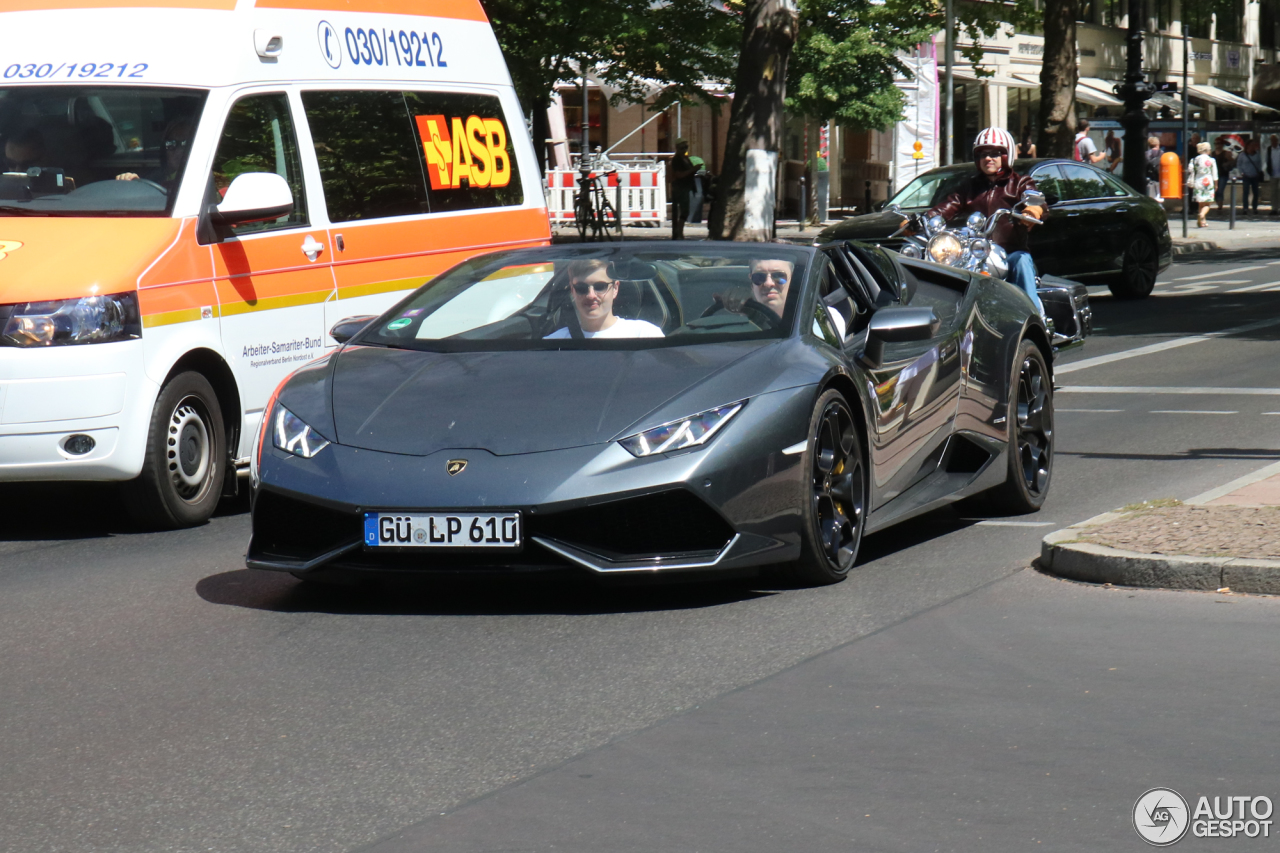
[[642, 409], [1097, 231]]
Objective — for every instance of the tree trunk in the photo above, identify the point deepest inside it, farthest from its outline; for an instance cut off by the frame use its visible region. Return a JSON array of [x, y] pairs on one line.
[[744, 206], [1058, 77], [541, 130]]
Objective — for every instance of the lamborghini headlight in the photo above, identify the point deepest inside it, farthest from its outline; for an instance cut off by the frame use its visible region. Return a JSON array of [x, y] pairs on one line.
[[692, 431], [86, 320], [945, 248], [292, 435]]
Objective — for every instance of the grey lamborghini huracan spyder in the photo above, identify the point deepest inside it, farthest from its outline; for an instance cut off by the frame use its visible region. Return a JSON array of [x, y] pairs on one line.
[[649, 408]]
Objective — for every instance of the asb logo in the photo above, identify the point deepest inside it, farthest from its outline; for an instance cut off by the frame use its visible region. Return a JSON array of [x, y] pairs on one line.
[[7, 246], [474, 149], [1160, 816], [330, 47]]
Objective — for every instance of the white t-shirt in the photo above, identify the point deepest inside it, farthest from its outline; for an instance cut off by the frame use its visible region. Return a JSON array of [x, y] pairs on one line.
[[622, 328]]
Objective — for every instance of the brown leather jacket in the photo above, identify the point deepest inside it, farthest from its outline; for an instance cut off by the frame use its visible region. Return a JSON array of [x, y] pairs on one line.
[[986, 197]]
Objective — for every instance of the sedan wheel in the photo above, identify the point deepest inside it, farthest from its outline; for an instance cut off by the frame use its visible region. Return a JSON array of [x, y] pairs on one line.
[[1141, 266], [835, 493]]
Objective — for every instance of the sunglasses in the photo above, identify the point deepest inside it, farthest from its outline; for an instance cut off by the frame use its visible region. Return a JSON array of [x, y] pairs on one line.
[[175, 144], [779, 278], [990, 155], [583, 288]]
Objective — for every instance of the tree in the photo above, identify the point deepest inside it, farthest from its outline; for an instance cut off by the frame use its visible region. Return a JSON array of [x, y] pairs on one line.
[[1058, 78]]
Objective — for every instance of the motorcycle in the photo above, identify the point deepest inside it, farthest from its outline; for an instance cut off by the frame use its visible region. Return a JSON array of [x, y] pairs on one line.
[[971, 248]]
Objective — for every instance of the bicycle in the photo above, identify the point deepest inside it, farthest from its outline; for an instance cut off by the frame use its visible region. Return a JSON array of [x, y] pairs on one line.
[[592, 210]]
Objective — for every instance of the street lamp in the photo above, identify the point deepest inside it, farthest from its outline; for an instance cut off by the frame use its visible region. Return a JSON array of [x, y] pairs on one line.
[[1135, 91]]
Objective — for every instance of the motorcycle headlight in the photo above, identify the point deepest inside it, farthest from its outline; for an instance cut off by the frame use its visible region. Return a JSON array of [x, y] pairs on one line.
[[945, 248], [911, 250], [980, 249], [293, 435], [692, 431], [86, 320]]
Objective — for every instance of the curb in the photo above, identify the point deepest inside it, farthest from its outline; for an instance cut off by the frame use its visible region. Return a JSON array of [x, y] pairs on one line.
[[1062, 554], [1190, 247]]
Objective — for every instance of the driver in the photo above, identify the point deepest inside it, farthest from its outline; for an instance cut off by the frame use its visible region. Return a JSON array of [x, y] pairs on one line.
[[177, 142], [593, 287], [23, 151], [997, 186], [770, 281]]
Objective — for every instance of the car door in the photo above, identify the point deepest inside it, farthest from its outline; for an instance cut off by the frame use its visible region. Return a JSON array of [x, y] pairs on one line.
[[1084, 205], [1119, 217], [272, 277], [916, 387]]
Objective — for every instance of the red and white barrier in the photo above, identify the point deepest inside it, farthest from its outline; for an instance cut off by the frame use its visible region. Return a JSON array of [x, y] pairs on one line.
[[644, 192]]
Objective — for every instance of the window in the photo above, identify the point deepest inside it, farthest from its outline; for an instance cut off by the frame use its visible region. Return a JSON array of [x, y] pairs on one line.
[[466, 147], [1115, 187], [1082, 183], [258, 137], [371, 165], [1048, 181]]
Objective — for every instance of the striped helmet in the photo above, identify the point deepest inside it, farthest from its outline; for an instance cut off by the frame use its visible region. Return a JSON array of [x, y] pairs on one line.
[[996, 137]]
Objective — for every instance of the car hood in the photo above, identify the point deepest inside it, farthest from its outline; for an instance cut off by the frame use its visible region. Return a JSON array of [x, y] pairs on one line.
[[417, 403], [868, 226]]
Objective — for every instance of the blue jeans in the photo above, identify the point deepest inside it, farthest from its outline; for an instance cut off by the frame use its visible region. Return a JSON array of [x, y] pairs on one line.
[[1022, 273]]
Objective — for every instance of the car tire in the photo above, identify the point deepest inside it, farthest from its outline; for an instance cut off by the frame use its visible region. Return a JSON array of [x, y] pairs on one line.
[[833, 494], [186, 457], [1029, 419], [1141, 265]]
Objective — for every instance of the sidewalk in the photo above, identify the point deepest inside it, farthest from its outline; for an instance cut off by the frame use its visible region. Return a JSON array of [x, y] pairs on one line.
[[1227, 539], [1261, 231]]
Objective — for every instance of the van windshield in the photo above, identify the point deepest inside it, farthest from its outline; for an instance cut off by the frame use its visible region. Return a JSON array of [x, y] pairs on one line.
[[94, 150]]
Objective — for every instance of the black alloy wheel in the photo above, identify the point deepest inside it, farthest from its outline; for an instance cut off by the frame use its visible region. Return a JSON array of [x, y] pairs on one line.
[[1138, 274], [186, 457], [1030, 431], [835, 493]]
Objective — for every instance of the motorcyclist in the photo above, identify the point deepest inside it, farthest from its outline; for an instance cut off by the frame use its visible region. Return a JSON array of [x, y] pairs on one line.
[[996, 186]]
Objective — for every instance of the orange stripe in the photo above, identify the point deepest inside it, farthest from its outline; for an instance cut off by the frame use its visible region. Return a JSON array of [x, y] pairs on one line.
[[48, 5], [462, 10]]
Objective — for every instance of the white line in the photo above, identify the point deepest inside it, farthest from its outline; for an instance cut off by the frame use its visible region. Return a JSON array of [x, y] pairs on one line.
[[1086, 363], [1239, 483], [991, 523], [1162, 389], [1189, 412], [1219, 273], [1271, 413], [1056, 409], [1253, 287]]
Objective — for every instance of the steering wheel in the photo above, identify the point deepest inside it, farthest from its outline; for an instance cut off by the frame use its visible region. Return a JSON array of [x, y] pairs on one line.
[[760, 315], [158, 187]]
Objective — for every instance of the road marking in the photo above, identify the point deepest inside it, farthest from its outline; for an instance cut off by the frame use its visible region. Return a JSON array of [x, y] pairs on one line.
[[1253, 287], [1189, 412], [1171, 389], [1239, 483], [1219, 273], [1271, 413], [1056, 409], [1096, 361], [995, 523]]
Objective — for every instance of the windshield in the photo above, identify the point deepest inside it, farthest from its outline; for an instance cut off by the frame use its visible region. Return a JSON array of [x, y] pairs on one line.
[[621, 297], [930, 189], [93, 150]]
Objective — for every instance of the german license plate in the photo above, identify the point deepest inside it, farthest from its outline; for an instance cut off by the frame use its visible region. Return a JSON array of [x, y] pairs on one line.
[[442, 530]]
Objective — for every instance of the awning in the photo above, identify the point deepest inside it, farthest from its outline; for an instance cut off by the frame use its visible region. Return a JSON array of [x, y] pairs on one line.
[[994, 79], [1223, 98], [1090, 90]]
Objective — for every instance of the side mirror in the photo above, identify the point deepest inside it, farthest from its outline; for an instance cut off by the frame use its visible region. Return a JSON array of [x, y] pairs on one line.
[[347, 328], [1033, 198], [896, 325], [253, 197]]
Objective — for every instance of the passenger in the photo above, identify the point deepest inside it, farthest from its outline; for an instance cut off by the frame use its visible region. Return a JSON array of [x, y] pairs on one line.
[[176, 145], [770, 281], [23, 151], [593, 287]]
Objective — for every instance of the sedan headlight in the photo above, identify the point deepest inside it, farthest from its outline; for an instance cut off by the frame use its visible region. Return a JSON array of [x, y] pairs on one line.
[[945, 248], [87, 320], [293, 435], [677, 435]]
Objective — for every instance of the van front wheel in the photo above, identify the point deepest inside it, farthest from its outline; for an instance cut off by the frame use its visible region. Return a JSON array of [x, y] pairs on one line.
[[182, 474]]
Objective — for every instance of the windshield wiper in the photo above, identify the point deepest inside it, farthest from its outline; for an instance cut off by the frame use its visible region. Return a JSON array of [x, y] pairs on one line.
[[25, 211]]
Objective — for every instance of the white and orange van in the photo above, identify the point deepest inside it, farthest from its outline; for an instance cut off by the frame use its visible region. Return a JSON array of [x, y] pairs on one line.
[[193, 192]]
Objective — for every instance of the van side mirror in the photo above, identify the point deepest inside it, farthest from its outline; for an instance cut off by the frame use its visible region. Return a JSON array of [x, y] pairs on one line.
[[896, 325], [348, 327], [252, 197]]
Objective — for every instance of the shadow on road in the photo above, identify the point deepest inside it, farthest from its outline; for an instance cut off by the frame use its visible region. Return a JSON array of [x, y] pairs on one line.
[[494, 596], [1269, 454], [1174, 313], [53, 511]]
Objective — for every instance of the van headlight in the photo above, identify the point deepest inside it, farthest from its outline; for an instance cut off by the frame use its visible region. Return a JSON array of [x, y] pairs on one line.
[[86, 320], [293, 435], [677, 435]]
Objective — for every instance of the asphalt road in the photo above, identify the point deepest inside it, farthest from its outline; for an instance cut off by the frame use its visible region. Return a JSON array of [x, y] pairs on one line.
[[158, 696]]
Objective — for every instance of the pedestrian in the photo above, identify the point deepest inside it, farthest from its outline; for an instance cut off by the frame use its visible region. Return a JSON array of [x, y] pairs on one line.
[[1202, 176], [1272, 162], [699, 195], [1114, 157], [1084, 149], [682, 185], [1153, 166], [1226, 162], [1249, 165], [1026, 148]]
